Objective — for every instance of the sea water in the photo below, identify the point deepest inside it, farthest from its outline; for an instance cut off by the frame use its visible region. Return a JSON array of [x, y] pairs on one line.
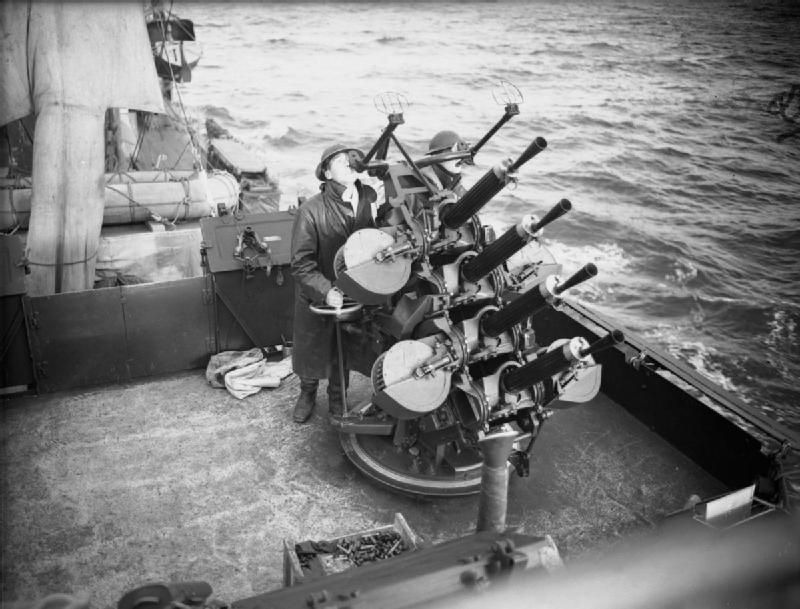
[[659, 130]]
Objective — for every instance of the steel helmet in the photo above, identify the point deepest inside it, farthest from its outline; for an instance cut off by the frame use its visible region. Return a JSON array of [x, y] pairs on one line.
[[332, 151], [444, 140]]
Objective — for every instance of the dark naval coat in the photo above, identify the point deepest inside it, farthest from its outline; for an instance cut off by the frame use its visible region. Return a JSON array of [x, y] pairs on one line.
[[322, 225]]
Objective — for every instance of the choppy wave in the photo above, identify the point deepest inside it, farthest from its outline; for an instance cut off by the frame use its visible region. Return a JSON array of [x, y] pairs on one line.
[[281, 135], [217, 112]]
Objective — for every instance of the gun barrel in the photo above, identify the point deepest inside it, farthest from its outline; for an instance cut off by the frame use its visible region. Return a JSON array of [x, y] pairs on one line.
[[513, 240], [535, 147], [486, 188], [472, 201], [614, 337], [558, 210], [588, 271], [499, 250], [543, 367], [556, 361], [529, 303]]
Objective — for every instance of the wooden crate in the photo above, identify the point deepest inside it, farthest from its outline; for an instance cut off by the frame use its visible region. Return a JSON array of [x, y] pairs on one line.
[[294, 573]]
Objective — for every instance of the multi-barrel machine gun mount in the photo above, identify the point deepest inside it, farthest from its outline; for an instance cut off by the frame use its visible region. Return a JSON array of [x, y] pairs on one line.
[[444, 330]]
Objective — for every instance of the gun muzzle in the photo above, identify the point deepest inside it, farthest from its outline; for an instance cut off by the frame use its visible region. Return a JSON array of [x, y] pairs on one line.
[[614, 337], [486, 188], [588, 271], [513, 240], [558, 210], [556, 361]]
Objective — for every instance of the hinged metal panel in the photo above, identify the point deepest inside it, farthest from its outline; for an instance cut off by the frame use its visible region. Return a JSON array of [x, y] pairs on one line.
[[221, 235], [166, 326], [261, 306], [116, 334], [78, 339]]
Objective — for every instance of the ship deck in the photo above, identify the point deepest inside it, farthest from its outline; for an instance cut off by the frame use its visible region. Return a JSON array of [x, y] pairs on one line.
[[169, 479]]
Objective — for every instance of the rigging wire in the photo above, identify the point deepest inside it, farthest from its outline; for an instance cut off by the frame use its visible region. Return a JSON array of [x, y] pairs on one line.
[[192, 137]]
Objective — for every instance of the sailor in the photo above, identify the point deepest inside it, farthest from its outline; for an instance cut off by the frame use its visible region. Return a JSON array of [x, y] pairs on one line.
[[444, 177], [322, 225], [447, 174]]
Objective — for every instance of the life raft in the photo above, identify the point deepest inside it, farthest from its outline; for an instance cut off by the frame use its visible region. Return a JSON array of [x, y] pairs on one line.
[[137, 196]]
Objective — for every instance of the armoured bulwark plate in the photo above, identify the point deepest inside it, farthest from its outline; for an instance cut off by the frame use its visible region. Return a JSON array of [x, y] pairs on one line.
[[116, 334], [248, 257]]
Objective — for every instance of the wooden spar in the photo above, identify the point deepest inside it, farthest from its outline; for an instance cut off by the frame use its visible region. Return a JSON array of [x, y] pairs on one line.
[[67, 63]]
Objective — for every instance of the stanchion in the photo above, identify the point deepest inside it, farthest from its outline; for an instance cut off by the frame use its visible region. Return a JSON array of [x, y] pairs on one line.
[[349, 311], [493, 502]]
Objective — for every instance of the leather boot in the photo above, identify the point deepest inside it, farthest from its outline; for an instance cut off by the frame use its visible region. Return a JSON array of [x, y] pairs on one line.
[[306, 400]]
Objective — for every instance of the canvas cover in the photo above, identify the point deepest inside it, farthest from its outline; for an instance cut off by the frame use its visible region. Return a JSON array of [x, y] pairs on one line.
[[66, 63], [76, 54]]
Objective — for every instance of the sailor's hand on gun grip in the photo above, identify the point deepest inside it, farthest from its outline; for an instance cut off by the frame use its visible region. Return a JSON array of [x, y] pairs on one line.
[[502, 172], [334, 298]]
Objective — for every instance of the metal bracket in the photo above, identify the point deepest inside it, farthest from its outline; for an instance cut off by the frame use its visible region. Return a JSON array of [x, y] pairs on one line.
[[521, 462], [249, 239], [505, 558], [641, 360]]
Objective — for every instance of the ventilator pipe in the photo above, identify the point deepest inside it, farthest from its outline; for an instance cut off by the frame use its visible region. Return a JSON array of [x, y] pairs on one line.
[[532, 301], [484, 189], [493, 501], [556, 361], [513, 240]]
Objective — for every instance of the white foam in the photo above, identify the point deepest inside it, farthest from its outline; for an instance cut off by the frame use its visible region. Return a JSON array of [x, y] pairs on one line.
[[683, 272], [696, 353]]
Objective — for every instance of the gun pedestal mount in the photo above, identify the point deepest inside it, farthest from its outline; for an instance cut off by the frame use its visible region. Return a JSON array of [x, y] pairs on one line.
[[449, 323], [492, 507]]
